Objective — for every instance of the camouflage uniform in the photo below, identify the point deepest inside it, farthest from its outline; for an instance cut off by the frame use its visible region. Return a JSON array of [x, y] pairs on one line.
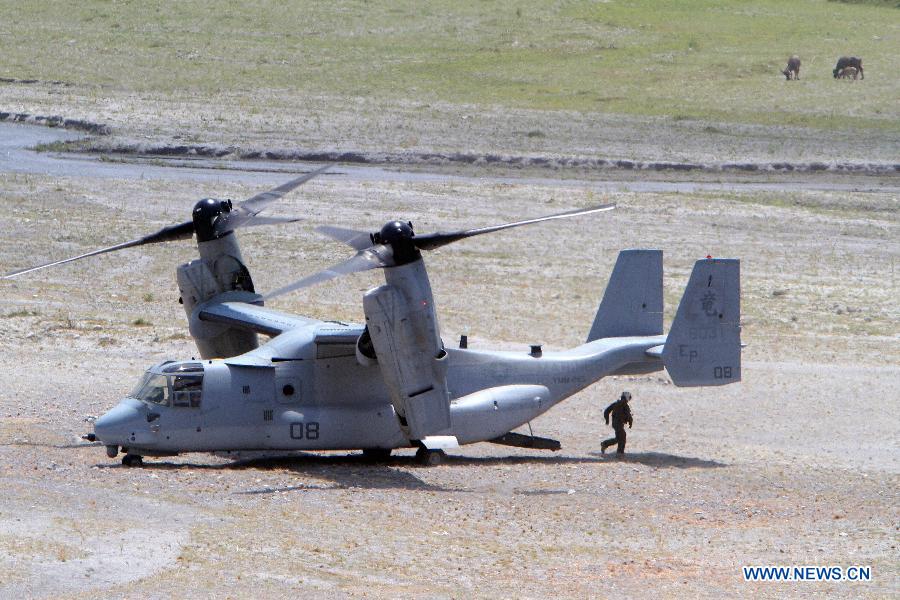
[[621, 414]]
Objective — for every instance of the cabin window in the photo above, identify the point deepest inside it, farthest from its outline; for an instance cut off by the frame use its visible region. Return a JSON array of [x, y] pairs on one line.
[[186, 390], [288, 389]]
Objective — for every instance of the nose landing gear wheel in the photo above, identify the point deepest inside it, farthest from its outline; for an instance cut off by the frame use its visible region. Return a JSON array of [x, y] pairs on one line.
[[132, 460], [430, 458]]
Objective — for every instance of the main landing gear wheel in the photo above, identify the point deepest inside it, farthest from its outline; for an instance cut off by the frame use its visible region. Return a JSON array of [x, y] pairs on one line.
[[132, 460], [430, 458], [376, 454]]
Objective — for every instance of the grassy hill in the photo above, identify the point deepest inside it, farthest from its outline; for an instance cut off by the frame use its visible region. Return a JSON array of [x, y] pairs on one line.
[[683, 59]]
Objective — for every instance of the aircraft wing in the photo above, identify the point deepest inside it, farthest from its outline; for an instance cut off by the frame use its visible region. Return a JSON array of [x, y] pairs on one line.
[[253, 318]]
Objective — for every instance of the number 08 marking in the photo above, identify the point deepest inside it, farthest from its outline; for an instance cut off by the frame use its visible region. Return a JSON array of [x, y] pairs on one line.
[[302, 430], [722, 372]]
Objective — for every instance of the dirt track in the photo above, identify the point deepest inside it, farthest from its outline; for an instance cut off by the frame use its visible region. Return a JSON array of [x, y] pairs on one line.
[[796, 465]]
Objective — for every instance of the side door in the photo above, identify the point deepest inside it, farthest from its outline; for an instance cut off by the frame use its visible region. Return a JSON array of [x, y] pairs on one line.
[[187, 407], [237, 406]]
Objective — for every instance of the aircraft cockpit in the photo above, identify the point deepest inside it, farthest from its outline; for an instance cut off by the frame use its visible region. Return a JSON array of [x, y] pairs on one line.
[[170, 383]]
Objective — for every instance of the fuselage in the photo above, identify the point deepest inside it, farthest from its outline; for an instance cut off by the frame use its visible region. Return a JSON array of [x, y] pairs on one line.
[[306, 390]]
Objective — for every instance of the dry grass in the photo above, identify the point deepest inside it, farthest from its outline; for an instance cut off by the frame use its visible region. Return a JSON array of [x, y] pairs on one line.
[[636, 58], [793, 283], [621, 80]]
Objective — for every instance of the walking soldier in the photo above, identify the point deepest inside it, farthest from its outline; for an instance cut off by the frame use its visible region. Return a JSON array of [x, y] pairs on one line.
[[621, 414]]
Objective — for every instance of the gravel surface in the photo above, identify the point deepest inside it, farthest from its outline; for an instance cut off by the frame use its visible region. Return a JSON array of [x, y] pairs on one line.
[[324, 123], [796, 465]]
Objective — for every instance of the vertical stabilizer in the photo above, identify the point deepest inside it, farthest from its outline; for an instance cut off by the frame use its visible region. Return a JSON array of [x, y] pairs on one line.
[[704, 344], [633, 301]]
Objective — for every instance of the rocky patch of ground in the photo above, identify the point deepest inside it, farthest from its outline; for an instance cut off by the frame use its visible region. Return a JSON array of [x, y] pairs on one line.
[[796, 465]]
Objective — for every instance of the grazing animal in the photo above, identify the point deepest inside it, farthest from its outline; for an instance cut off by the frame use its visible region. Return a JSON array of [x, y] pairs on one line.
[[848, 73], [848, 61], [793, 68]]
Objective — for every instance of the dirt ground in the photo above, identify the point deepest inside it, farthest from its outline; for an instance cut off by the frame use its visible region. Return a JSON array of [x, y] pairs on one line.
[[799, 464], [274, 121]]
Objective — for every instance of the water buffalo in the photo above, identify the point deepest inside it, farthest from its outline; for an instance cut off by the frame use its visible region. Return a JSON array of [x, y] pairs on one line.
[[793, 68], [848, 61]]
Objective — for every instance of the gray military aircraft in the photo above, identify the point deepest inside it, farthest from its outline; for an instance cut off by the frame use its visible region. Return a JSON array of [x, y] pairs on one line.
[[391, 383]]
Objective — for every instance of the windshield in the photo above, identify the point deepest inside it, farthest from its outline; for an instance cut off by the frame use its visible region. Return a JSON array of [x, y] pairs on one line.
[[153, 388], [171, 384]]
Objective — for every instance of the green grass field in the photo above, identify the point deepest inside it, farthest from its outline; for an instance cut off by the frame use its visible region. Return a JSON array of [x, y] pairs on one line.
[[683, 59]]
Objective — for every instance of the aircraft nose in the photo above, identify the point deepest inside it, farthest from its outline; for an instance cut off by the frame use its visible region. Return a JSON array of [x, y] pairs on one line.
[[115, 426]]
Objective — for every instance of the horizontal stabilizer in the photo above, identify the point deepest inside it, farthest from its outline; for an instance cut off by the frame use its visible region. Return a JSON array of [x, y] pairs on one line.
[[655, 351]]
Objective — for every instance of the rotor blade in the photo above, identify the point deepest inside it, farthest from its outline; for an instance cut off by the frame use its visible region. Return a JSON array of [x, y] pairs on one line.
[[247, 210], [373, 257], [269, 221], [182, 231], [360, 240], [430, 241]]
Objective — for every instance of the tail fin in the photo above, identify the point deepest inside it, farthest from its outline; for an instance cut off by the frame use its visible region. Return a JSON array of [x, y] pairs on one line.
[[704, 345], [633, 301]]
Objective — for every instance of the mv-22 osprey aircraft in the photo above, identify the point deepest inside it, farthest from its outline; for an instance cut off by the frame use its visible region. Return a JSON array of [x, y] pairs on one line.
[[391, 383]]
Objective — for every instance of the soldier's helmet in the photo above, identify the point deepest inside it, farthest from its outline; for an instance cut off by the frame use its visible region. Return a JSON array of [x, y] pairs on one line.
[[626, 396]]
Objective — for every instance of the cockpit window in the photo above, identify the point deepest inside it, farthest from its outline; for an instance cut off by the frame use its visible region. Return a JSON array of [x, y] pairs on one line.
[[183, 367], [153, 388], [172, 384]]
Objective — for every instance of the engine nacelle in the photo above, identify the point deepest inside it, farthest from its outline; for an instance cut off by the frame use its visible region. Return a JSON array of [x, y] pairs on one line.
[[365, 350], [219, 269], [406, 342]]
